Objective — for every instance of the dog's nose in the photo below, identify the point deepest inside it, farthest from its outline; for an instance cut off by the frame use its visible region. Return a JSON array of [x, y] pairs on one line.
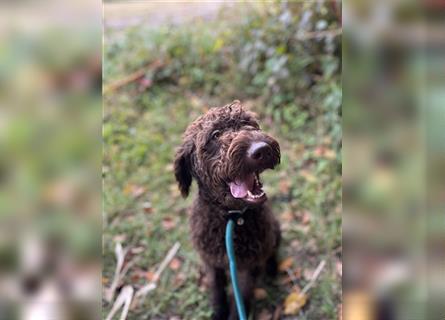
[[260, 153]]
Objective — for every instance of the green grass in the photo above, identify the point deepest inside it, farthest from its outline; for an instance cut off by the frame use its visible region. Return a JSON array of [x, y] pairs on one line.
[[142, 128]]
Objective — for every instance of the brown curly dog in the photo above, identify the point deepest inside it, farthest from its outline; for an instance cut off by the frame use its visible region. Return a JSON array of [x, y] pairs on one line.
[[225, 151]]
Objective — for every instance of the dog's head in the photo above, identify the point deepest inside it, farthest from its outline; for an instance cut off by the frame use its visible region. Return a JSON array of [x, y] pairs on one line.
[[226, 151]]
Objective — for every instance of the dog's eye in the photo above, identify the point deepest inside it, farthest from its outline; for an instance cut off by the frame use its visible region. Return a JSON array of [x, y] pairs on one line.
[[251, 128], [216, 134], [249, 125]]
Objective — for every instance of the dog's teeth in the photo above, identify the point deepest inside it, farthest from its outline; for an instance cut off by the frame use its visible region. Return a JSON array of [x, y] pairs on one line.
[[251, 195], [255, 196]]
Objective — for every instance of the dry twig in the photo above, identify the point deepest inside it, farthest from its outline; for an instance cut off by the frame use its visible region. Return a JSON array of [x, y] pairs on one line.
[[314, 277], [120, 257], [123, 300], [152, 284], [154, 66]]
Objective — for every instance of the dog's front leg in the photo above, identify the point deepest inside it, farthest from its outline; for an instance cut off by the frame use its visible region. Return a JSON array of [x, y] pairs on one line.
[[247, 280], [218, 283], [272, 261]]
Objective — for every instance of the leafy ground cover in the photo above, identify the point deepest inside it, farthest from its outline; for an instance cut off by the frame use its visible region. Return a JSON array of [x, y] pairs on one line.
[[283, 62]]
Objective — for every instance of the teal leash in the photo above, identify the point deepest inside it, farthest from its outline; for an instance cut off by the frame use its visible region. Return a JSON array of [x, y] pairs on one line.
[[234, 215]]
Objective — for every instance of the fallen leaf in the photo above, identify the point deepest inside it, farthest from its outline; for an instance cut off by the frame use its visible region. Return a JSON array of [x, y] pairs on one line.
[[175, 264], [135, 277], [284, 186], [308, 176], [324, 152], [294, 302], [127, 189], [146, 206], [330, 154], [260, 293], [305, 217], [134, 190], [138, 274], [291, 278], [150, 276], [358, 305], [318, 151], [264, 315], [168, 223], [144, 84], [285, 264], [287, 216]]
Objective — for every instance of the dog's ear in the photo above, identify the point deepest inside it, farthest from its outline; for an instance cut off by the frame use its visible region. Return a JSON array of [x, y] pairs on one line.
[[183, 167]]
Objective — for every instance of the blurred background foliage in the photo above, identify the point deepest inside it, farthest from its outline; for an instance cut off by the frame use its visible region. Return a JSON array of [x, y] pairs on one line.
[[50, 120], [273, 54], [283, 61], [392, 159]]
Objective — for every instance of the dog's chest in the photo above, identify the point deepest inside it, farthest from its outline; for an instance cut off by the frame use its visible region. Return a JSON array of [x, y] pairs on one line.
[[251, 239]]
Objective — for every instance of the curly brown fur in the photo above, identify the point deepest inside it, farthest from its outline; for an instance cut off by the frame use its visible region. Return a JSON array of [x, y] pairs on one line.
[[219, 148]]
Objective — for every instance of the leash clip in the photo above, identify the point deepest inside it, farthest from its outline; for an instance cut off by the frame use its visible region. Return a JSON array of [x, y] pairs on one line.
[[236, 215]]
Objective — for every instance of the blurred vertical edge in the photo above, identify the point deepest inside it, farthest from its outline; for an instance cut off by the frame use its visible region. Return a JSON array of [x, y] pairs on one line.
[[394, 160], [50, 159]]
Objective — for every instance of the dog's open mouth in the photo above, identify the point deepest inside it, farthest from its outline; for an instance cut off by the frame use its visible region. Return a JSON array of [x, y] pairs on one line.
[[248, 188]]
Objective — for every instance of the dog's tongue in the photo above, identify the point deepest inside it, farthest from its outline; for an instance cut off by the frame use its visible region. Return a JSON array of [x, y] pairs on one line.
[[239, 188]]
